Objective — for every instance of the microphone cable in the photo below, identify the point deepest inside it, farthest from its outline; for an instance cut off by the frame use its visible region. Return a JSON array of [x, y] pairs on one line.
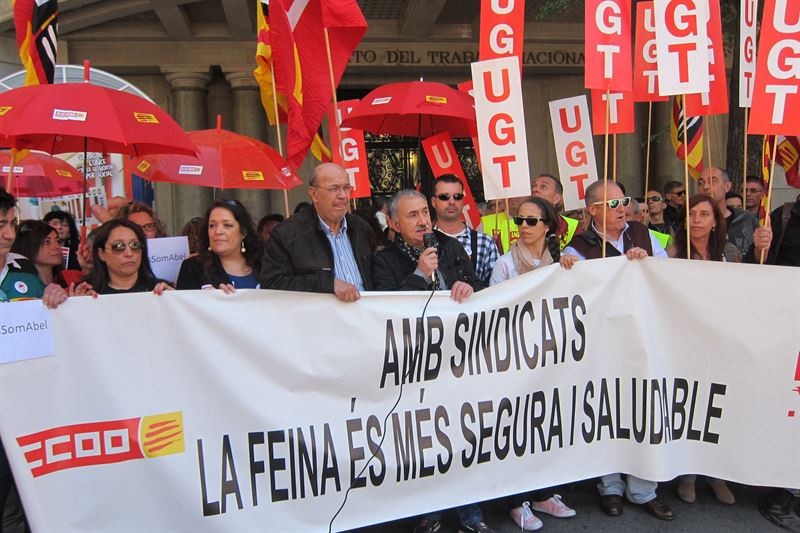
[[385, 425]]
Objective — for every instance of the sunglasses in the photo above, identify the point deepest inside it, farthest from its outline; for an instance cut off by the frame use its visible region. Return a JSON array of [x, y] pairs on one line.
[[679, 193], [655, 199], [445, 196], [118, 247], [530, 221], [613, 204]]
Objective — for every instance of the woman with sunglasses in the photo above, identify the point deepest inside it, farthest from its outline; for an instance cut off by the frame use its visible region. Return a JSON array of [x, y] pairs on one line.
[[120, 262], [537, 245], [230, 251]]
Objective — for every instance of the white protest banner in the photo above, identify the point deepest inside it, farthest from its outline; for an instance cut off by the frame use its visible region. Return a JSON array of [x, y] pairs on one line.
[[681, 34], [166, 255], [747, 50], [200, 411], [26, 331], [572, 132], [607, 39], [501, 128], [776, 94]]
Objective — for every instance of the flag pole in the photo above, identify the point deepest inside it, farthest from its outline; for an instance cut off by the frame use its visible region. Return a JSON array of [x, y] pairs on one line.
[[605, 175], [647, 160], [767, 218], [707, 135], [686, 175], [614, 160], [13, 156], [278, 131], [744, 161], [335, 100]]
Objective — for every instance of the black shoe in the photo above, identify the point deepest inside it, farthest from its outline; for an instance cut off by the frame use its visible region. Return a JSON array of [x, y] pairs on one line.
[[480, 527], [781, 508], [658, 509], [611, 505], [427, 525]]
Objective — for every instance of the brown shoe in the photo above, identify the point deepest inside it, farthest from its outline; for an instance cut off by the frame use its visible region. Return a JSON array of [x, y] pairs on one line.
[[658, 509], [686, 490], [611, 505], [722, 492]]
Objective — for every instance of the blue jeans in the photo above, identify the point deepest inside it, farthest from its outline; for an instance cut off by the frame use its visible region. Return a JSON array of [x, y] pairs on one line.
[[468, 515], [636, 490]]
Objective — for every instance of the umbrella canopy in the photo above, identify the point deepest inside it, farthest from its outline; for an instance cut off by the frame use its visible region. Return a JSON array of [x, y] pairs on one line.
[[41, 176], [78, 117], [225, 160], [414, 109]]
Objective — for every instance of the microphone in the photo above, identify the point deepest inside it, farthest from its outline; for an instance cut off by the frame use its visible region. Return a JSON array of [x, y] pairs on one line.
[[429, 241]]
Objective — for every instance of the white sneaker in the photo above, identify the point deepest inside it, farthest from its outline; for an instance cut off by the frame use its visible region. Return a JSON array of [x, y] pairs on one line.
[[554, 507], [524, 518]]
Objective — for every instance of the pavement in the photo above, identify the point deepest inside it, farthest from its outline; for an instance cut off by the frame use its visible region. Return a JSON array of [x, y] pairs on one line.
[[706, 515]]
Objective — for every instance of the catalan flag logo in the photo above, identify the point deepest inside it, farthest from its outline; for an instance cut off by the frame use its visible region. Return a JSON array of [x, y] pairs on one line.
[[694, 137], [162, 434]]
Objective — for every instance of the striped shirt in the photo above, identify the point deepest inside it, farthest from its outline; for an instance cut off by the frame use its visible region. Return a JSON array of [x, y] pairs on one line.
[[345, 267]]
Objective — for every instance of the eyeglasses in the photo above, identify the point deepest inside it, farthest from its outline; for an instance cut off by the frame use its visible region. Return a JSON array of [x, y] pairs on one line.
[[150, 226], [530, 221], [118, 247], [754, 190], [446, 196], [337, 189], [679, 193], [613, 204], [655, 199]]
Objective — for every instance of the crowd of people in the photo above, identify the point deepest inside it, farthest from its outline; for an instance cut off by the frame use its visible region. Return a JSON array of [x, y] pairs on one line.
[[410, 244]]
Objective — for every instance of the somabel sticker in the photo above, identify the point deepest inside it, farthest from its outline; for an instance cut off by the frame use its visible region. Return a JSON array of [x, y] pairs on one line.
[[192, 170], [67, 114], [381, 100]]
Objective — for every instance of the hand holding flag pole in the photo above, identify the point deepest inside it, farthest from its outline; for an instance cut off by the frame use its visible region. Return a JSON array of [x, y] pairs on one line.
[[767, 218], [686, 173]]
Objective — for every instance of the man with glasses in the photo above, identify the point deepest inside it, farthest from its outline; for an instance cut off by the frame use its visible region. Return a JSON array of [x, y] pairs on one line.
[[322, 249], [657, 204], [754, 188], [636, 242], [448, 204], [675, 193]]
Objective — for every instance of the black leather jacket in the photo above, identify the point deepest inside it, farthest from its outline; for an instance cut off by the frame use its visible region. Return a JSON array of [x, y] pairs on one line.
[[394, 271], [298, 255]]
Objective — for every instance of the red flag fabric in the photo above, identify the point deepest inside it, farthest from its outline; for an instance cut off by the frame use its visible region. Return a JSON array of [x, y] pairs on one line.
[[263, 75], [300, 61], [786, 156], [36, 25]]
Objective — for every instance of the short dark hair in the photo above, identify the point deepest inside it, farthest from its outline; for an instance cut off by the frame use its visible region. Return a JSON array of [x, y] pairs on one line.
[[755, 179], [7, 201], [671, 186], [448, 178], [731, 194], [556, 181], [272, 217], [66, 218]]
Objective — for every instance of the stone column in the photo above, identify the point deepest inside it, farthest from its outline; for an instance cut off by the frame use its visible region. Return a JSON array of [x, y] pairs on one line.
[[250, 119], [189, 108]]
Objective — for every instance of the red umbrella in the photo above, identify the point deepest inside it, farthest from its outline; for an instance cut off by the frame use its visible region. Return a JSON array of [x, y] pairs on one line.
[[225, 160], [41, 176], [79, 117], [414, 109]]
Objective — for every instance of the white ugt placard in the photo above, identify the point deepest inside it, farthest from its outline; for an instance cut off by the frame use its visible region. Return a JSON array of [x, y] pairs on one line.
[[747, 51], [501, 128], [681, 28], [572, 131]]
